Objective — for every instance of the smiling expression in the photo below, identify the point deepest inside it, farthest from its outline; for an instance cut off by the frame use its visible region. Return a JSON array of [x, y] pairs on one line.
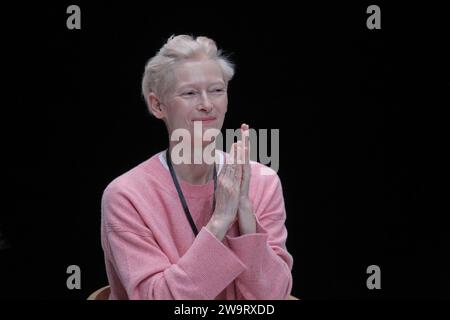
[[199, 93]]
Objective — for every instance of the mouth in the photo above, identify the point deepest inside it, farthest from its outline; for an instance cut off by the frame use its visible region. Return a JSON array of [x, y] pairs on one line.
[[205, 120]]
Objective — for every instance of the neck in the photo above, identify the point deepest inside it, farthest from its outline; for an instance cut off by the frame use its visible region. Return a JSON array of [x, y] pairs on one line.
[[191, 172]]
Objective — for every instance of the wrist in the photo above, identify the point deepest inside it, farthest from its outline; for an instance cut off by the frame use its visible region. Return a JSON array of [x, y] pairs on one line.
[[247, 221], [218, 227], [245, 205]]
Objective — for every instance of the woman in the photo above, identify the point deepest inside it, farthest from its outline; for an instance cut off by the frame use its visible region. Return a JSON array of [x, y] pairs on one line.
[[176, 229]]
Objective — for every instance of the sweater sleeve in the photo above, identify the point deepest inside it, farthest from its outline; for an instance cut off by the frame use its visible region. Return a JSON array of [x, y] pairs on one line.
[[269, 264], [145, 271]]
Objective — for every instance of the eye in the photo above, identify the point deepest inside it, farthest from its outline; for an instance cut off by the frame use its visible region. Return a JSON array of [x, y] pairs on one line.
[[189, 93], [218, 90]]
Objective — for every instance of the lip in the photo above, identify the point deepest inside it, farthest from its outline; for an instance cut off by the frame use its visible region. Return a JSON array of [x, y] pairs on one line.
[[205, 120]]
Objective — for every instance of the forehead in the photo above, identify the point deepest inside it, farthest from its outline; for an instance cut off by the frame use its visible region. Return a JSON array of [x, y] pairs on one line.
[[197, 72]]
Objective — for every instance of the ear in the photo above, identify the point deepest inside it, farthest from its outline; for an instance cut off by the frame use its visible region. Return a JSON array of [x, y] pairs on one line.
[[154, 105]]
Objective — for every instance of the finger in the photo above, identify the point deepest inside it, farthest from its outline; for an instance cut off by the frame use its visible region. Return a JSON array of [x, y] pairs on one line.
[[227, 165], [238, 174], [239, 152], [224, 169], [244, 156], [232, 161], [236, 165], [232, 153], [245, 133], [236, 152]]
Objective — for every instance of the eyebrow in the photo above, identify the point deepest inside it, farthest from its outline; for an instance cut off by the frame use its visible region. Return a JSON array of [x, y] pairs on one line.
[[183, 85]]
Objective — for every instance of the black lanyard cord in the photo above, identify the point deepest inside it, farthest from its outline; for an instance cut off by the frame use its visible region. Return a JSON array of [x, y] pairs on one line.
[[181, 196]]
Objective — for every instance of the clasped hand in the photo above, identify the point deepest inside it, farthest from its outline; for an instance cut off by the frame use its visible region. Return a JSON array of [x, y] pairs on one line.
[[233, 182]]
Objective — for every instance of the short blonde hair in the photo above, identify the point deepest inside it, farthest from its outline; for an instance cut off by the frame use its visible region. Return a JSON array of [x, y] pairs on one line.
[[158, 69]]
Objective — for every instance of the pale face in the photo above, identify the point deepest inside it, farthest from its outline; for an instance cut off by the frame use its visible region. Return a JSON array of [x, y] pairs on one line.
[[199, 93]]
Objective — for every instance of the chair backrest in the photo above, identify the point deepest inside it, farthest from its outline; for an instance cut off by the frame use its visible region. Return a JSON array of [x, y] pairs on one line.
[[100, 294], [103, 294]]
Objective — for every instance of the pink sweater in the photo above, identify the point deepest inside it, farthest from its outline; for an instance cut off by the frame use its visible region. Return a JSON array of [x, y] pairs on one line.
[[151, 252]]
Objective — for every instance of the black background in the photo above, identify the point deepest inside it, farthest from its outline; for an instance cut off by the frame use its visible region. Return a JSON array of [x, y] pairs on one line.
[[360, 114]]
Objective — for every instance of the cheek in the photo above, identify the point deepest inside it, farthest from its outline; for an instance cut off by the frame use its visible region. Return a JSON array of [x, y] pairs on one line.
[[180, 111], [223, 105]]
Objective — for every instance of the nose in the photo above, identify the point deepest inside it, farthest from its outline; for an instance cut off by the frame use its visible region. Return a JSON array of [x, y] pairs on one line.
[[205, 103]]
